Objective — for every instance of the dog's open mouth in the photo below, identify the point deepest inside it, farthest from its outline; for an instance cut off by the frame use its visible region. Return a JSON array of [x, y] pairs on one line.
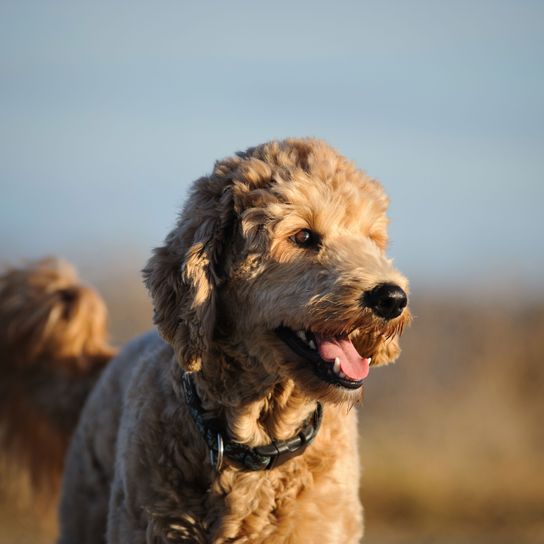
[[334, 358]]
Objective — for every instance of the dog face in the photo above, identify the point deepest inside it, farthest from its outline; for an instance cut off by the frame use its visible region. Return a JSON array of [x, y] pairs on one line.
[[279, 259]]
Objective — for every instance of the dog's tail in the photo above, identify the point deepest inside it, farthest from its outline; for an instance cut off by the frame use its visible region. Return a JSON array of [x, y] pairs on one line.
[[53, 347]]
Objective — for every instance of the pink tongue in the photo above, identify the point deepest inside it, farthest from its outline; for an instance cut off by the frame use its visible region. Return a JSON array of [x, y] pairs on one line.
[[352, 364]]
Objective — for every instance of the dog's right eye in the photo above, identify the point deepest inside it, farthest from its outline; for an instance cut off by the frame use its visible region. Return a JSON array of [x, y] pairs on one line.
[[305, 238]]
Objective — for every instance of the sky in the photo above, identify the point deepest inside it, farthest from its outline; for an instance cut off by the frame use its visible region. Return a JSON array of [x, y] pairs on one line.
[[108, 111]]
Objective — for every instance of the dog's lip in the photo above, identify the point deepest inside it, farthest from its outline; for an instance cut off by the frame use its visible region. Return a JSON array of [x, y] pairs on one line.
[[328, 370]]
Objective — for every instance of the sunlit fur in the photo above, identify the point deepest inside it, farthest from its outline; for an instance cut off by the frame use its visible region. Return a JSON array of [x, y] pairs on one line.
[[226, 277]]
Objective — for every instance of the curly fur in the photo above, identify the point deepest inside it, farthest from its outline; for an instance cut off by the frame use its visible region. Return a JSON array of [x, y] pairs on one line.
[[226, 277]]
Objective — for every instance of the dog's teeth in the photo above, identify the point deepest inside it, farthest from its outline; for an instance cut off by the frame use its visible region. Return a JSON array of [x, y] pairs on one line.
[[311, 343], [302, 335], [342, 375], [369, 360], [336, 366]]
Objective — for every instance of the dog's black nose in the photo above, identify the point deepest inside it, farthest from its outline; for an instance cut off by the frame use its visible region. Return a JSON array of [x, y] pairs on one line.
[[387, 300]]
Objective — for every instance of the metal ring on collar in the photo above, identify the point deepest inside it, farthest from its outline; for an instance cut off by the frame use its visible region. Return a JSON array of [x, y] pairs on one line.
[[216, 460]]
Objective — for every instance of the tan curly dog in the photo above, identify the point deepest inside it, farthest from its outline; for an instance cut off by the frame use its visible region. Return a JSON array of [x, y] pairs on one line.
[[272, 298]]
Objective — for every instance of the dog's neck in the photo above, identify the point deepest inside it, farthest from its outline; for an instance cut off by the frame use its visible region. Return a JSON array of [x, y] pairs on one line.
[[254, 408]]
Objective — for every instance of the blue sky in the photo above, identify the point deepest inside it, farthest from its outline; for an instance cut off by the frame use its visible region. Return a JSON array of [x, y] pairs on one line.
[[108, 110]]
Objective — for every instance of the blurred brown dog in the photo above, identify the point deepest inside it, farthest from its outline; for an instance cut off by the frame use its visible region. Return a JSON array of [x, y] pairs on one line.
[[272, 297]]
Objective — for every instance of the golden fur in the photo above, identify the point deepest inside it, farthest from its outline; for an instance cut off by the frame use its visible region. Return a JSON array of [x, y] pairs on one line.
[[226, 277], [53, 343]]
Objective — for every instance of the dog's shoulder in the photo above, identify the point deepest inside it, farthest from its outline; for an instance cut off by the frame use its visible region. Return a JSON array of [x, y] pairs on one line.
[[139, 354], [127, 375], [145, 368]]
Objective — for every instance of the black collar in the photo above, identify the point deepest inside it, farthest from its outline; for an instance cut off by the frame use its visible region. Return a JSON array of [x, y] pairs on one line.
[[258, 458]]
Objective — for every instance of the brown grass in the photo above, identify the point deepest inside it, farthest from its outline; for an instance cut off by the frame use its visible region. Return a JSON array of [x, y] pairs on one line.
[[452, 437]]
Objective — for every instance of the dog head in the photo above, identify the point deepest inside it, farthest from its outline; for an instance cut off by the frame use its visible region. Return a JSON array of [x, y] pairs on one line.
[[279, 259], [48, 314]]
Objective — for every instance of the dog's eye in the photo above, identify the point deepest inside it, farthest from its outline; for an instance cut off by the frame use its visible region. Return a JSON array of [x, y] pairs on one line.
[[305, 238]]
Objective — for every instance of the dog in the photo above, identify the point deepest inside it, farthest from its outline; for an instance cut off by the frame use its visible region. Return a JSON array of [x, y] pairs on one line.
[[232, 423]]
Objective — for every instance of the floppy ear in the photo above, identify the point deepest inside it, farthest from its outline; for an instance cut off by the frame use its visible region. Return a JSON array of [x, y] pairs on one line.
[[183, 275]]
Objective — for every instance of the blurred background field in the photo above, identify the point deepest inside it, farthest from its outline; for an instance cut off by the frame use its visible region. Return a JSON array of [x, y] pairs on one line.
[[109, 110], [452, 438]]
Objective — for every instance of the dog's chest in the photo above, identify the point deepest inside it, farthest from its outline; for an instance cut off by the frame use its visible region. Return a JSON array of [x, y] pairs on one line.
[[311, 498], [294, 506]]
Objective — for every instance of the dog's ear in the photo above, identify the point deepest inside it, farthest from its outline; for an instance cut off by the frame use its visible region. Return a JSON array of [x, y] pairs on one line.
[[183, 275]]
